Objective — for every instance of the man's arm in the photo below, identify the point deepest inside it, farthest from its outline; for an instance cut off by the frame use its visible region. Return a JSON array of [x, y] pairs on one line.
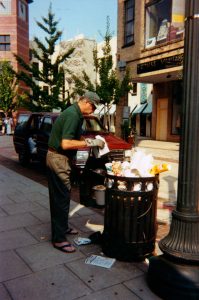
[[76, 144], [72, 144]]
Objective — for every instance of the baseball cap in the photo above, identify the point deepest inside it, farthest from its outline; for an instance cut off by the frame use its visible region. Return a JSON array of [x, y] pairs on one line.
[[93, 97]]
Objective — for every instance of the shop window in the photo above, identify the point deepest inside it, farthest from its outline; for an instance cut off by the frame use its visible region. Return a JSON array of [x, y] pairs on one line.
[[129, 9], [164, 21], [4, 42]]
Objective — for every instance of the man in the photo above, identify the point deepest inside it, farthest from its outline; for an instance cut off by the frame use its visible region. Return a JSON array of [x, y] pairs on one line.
[[64, 141]]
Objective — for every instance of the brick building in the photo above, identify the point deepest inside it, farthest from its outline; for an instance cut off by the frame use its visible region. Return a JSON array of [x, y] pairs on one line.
[[151, 44], [14, 30]]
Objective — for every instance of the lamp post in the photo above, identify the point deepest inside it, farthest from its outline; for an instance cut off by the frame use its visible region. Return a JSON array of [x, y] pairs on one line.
[[175, 273]]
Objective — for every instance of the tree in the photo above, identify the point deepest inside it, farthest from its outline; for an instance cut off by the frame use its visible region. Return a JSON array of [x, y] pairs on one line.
[[9, 99], [107, 85], [52, 73]]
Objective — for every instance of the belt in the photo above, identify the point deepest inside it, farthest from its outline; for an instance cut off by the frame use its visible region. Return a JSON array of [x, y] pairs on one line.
[[52, 150]]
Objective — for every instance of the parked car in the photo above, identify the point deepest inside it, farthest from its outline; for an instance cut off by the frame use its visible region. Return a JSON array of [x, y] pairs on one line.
[[38, 126]]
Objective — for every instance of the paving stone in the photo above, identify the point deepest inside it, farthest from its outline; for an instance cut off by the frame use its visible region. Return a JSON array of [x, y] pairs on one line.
[[53, 283], [3, 293], [99, 278], [140, 288], [116, 292], [15, 238], [90, 249], [92, 223], [4, 199], [22, 196], [17, 208], [12, 266], [2, 213], [41, 232], [43, 201], [17, 221], [42, 256], [79, 210], [42, 214]]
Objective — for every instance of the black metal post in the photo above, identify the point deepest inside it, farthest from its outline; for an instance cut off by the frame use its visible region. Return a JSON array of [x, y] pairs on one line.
[[175, 274]]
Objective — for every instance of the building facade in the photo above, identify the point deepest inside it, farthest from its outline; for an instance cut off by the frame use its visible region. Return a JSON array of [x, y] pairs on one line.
[[14, 30], [151, 45], [80, 60]]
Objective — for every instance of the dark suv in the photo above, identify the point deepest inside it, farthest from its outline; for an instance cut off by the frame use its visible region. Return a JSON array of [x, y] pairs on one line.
[[39, 125]]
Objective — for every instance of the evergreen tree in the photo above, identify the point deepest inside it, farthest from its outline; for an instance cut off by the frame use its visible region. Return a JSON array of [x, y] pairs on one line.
[[51, 74], [107, 85], [9, 98]]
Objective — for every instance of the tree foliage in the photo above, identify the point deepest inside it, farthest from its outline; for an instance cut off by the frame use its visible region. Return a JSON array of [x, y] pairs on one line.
[[9, 99], [51, 74], [107, 85]]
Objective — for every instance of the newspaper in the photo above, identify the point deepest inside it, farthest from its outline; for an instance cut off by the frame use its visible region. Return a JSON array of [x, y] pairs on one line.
[[81, 241], [100, 261], [100, 152]]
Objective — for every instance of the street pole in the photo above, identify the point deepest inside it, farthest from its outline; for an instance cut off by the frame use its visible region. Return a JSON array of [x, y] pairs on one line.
[[175, 273]]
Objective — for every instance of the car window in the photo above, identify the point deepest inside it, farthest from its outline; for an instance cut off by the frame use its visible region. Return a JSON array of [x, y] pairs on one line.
[[91, 125], [46, 124], [35, 122], [22, 121]]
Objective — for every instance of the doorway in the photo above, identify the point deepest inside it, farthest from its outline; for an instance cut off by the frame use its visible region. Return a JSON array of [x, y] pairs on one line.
[[162, 117]]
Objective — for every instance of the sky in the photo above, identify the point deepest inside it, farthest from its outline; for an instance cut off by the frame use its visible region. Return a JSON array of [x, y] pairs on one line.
[[87, 17]]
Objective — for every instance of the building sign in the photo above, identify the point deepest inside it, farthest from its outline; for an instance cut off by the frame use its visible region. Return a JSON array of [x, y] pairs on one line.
[[160, 64]]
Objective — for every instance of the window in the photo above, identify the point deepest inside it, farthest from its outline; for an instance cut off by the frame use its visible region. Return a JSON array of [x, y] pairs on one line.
[[164, 21], [35, 65], [129, 22], [46, 125], [46, 89], [4, 42], [133, 90], [22, 10]]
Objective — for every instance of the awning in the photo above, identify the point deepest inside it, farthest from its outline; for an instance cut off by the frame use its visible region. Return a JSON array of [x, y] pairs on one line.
[[133, 109], [101, 110], [139, 109], [148, 108]]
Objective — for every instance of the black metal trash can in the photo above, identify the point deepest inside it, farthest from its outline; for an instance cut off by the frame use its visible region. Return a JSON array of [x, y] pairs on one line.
[[130, 217]]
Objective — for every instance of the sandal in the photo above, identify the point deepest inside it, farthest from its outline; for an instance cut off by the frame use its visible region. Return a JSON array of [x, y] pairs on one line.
[[71, 231], [63, 248]]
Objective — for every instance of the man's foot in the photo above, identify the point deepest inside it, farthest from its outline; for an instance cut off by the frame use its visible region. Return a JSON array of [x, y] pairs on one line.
[[71, 231], [64, 247]]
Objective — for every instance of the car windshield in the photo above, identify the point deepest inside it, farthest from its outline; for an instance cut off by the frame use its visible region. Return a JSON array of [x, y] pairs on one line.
[[90, 124]]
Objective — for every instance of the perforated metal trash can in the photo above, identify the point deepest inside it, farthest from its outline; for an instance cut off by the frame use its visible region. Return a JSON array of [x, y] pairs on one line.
[[130, 217]]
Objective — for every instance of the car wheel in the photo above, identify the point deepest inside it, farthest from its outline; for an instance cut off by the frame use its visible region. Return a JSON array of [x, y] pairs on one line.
[[24, 159]]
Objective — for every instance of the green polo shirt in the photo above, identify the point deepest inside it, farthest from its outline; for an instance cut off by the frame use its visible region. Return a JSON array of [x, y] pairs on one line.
[[67, 126]]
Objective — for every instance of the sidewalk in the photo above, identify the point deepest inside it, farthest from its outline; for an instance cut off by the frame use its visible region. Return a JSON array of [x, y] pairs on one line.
[[32, 269]]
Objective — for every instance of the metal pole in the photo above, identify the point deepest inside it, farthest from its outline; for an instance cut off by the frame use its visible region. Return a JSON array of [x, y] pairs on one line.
[[175, 274]]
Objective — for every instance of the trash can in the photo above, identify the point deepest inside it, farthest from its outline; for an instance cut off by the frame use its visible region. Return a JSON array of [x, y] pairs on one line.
[[130, 217]]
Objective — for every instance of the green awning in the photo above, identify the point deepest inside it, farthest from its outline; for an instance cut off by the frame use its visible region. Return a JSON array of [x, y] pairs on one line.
[[139, 109], [148, 108]]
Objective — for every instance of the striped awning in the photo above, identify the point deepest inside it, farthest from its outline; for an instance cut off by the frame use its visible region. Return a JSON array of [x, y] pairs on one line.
[[148, 108], [139, 109]]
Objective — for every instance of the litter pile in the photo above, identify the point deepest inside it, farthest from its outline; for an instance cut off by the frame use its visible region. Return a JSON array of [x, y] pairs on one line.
[[140, 165]]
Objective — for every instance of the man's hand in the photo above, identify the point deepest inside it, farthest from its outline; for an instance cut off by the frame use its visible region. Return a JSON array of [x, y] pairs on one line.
[[95, 143]]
